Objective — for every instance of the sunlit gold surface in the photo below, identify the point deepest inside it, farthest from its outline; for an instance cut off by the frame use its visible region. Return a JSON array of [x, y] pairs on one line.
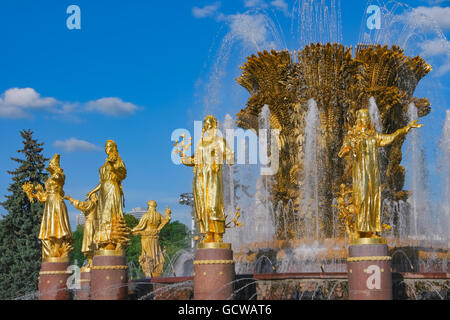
[[151, 223], [214, 245], [54, 259], [341, 84], [368, 241], [89, 209], [208, 159], [112, 232], [362, 143], [55, 232], [106, 253]]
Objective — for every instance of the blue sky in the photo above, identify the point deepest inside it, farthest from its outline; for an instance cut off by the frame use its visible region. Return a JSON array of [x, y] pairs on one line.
[[137, 70]]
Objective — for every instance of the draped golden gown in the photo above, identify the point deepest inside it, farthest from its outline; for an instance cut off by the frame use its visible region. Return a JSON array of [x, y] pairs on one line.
[[110, 199], [55, 227], [208, 184], [363, 147], [152, 257], [89, 209]]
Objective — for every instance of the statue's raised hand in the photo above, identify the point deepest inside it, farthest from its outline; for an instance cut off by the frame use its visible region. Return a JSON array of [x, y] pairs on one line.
[[414, 124], [168, 211]]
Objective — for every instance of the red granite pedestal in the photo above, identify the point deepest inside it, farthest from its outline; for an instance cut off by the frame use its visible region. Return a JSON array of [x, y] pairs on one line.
[[84, 293], [53, 279], [213, 272], [109, 276], [369, 270]]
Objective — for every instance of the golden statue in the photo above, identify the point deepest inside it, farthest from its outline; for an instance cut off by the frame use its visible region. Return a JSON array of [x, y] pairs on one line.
[[362, 142], [55, 232], [89, 209], [340, 79], [112, 233], [346, 211], [207, 161], [151, 223]]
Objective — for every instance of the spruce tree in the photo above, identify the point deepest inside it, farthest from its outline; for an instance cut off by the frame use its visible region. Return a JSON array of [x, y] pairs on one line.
[[20, 248]]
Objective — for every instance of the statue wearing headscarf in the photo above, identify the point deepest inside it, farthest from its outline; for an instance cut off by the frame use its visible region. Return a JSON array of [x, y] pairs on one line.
[[363, 142]]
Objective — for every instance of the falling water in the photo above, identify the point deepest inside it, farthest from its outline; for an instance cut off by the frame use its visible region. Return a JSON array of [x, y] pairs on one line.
[[444, 221], [419, 213], [228, 172], [375, 115], [229, 182], [265, 229], [310, 192]]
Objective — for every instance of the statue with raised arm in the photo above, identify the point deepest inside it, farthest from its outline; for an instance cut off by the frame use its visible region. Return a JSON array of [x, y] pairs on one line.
[[55, 232], [112, 232], [89, 209], [362, 143], [208, 159], [149, 227]]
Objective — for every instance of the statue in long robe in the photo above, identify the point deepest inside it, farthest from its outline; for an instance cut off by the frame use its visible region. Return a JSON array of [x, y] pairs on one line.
[[89, 209], [112, 233], [55, 232], [151, 223], [363, 142], [208, 159]]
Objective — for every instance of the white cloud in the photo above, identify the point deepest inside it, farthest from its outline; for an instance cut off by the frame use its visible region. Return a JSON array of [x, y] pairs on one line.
[[111, 106], [15, 102], [207, 11], [255, 3], [251, 29], [73, 144], [444, 69], [438, 48], [281, 5], [429, 18], [435, 47], [435, 2], [18, 103]]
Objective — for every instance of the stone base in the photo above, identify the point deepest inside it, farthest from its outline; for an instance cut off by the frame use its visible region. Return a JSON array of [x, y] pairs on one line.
[[109, 277], [369, 272], [84, 293], [53, 281], [214, 273]]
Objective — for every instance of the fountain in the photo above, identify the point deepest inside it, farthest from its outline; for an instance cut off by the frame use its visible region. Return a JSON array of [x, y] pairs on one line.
[[293, 244]]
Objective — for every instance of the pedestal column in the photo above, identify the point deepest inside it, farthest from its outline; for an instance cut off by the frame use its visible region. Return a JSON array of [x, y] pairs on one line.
[[369, 270], [53, 279], [213, 272], [85, 286], [109, 276]]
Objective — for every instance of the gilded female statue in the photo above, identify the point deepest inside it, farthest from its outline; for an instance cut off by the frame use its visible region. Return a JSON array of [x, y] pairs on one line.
[[89, 209], [112, 232], [207, 161], [55, 232], [151, 223], [362, 142]]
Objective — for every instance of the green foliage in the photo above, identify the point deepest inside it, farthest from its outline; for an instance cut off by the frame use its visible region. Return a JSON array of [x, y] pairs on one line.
[[77, 244], [174, 236], [130, 220], [20, 248], [134, 249]]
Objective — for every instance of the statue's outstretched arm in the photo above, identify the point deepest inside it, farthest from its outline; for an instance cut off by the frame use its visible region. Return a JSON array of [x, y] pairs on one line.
[[188, 161], [345, 147], [142, 225], [96, 189], [41, 194], [387, 139], [166, 219]]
